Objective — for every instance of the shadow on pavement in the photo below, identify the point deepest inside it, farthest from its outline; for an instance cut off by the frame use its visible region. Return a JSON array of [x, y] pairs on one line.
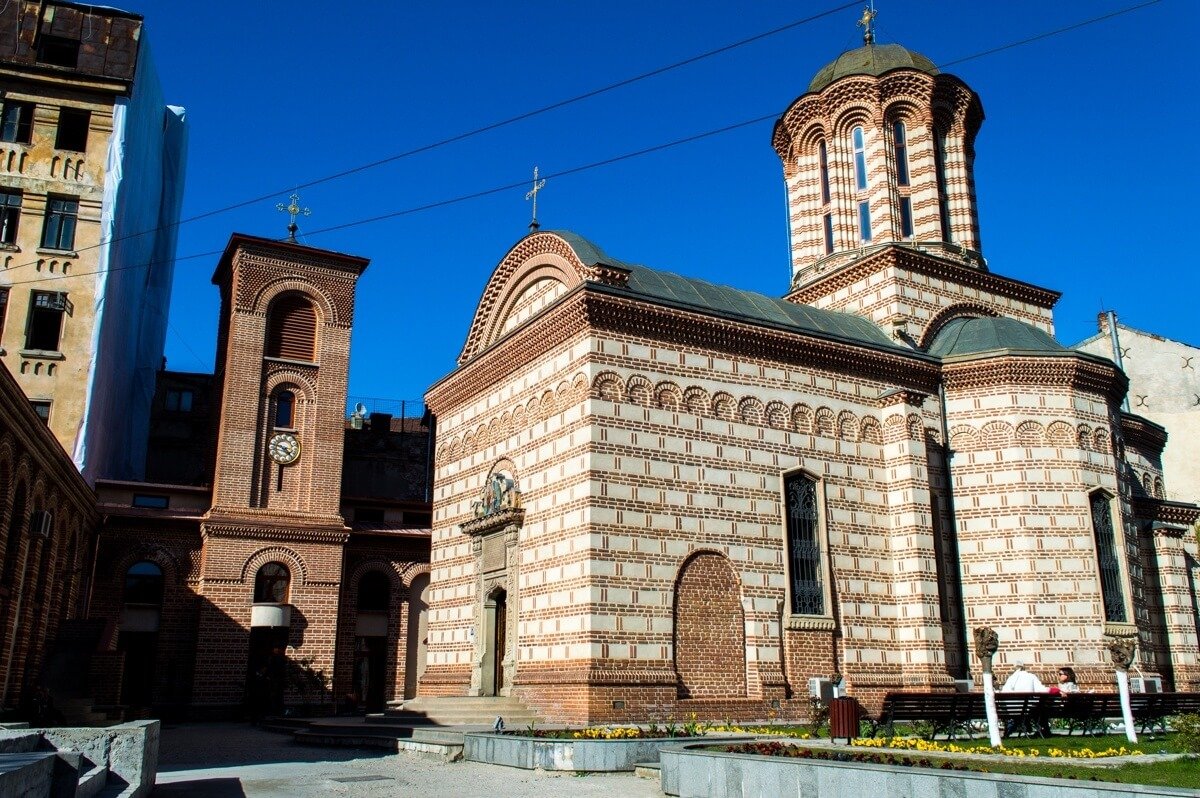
[[196, 746], [206, 788]]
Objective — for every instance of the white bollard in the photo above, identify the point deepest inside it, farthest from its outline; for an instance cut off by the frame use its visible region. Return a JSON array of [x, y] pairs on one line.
[[1126, 709], [989, 702]]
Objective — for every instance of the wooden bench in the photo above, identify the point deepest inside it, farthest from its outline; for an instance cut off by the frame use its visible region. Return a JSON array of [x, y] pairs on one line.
[[1029, 713], [947, 713]]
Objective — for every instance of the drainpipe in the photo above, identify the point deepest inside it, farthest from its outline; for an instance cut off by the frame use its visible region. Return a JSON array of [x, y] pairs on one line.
[[952, 538], [1115, 340]]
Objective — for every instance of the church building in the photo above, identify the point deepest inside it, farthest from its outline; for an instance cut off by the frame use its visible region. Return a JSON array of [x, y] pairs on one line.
[[655, 496]]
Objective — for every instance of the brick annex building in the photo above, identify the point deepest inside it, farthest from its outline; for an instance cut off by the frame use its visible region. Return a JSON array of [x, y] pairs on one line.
[[272, 538], [654, 495]]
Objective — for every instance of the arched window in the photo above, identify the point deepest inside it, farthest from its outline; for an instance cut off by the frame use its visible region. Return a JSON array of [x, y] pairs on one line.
[[285, 409], [900, 149], [804, 544], [292, 328], [900, 143], [144, 584], [858, 141], [823, 153], [374, 592], [857, 138], [271, 584], [827, 221], [939, 158], [1107, 558]]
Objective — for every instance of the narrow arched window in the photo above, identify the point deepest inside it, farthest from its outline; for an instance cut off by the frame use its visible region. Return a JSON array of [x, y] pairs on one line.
[[939, 158], [292, 328], [859, 144], [804, 544], [144, 583], [827, 221], [272, 583], [374, 592], [900, 144], [285, 409], [1107, 558], [823, 154], [860, 158]]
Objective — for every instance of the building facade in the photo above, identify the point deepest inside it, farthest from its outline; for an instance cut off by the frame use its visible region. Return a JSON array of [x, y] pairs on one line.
[[656, 496], [91, 183], [1164, 387], [279, 554], [48, 521]]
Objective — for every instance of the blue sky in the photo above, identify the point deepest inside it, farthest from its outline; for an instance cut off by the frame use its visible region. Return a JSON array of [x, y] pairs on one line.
[[1084, 165]]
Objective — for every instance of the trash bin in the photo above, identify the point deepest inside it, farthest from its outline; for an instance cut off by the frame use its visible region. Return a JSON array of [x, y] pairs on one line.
[[843, 718]]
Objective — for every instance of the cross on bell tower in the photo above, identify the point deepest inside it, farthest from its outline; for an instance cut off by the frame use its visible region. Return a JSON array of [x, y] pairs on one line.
[[538, 185], [867, 23], [293, 210]]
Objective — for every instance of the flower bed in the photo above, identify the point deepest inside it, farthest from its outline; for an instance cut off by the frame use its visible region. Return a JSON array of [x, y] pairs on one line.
[[771, 768]]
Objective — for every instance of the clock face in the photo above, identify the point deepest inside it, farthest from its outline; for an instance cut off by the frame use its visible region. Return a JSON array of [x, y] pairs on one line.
[[284, 448]]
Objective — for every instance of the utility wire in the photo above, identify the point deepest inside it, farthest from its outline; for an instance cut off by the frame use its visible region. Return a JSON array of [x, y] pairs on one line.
[[1048, 34], [586, 167], [479, 130]]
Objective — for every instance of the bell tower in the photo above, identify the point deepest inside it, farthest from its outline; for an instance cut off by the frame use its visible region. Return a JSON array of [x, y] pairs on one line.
[[273, 539], [283, 358]]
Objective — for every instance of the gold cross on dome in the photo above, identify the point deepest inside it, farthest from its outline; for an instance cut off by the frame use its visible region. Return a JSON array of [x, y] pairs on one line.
[[538, 185], [867, 23], [293, 210]]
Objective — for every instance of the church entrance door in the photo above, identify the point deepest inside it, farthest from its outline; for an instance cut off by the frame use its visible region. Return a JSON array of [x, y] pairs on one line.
[[501, 625], [495, 612]]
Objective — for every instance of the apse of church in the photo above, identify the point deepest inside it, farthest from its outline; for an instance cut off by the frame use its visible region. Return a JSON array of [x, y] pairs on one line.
[[657, 496]]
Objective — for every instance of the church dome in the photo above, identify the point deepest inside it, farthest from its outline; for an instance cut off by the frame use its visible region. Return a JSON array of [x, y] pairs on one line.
[[874, 59], [969, 336]]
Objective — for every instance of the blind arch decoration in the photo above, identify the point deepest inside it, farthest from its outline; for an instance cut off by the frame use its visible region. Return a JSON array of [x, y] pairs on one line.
[[292, 328]]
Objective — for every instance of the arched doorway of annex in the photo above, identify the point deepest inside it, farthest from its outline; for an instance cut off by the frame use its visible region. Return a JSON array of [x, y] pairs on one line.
[[495, 641], [416, 644], [710, 629]]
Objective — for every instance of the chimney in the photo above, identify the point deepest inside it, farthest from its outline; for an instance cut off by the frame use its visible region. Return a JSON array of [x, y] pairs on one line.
[[381, 422], [1102, 320]]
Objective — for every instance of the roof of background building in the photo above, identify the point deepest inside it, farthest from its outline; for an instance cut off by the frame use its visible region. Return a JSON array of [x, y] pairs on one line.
[[689, 293], [874, 59], [967, 336]]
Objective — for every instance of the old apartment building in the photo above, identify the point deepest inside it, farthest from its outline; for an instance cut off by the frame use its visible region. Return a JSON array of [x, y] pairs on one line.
[[654, 495], [91, 181]]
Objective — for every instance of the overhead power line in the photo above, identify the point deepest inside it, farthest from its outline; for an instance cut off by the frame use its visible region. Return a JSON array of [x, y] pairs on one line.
[[590, 166], [477, 131]]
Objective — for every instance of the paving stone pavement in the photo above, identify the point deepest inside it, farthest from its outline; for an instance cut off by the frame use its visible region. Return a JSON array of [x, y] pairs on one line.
[[236, 760]]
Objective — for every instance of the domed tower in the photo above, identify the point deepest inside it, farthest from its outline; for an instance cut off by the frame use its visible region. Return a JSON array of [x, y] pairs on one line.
[[878, 160], [879, 150]]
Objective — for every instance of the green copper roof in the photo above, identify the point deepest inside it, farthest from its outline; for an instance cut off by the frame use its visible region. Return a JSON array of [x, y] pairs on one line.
[[720, 300], [971, 336], [874, 59]]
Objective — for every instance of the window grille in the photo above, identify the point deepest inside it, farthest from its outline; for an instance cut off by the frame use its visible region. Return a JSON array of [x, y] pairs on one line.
[[804, 547], [1106, 553]]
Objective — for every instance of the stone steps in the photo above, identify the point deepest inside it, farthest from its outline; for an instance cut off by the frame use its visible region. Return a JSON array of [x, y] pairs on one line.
[[442, 743], [648, 770], [462, 711]]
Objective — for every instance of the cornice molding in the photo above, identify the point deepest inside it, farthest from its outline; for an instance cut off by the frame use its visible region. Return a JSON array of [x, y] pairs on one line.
[[1143, 434], [1168, 512], [502, 519], [897, 256], [1069, 371]]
